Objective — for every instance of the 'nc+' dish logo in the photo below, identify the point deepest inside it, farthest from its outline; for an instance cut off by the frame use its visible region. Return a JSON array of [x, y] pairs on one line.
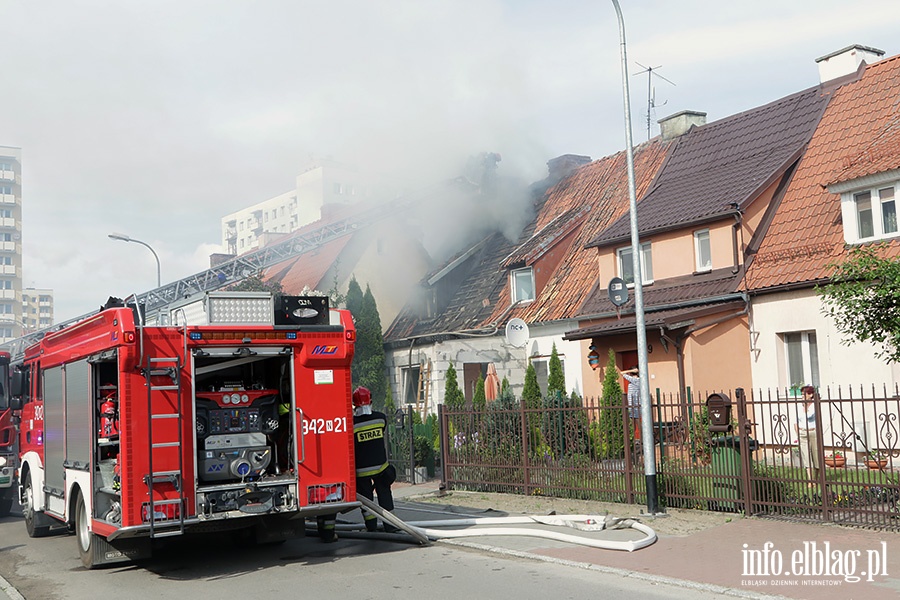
[[324, 350]]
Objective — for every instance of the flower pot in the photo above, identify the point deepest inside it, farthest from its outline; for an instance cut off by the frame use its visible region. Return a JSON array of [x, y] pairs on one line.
[[835, 461], [877, 464]]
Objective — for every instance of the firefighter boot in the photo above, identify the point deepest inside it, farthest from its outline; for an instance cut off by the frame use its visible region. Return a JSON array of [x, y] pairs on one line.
[[325, 527], [371, 523]]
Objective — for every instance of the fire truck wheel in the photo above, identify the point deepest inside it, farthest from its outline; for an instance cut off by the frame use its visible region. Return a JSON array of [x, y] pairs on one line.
[[83, 534], [28, 512]]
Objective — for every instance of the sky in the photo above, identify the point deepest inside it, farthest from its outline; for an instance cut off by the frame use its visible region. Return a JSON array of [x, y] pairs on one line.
[[156, 119]]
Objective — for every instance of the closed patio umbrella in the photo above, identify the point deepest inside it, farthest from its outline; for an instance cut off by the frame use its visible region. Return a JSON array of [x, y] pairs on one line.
[[491, 383]]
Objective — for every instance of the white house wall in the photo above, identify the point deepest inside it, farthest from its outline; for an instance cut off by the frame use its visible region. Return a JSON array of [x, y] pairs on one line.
[[510, 361], [840, 365], [541, 344], [845, 371]]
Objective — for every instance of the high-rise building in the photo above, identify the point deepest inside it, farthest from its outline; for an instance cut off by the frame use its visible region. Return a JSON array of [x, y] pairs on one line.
[[10, 243], [324, 182], [37, 309]]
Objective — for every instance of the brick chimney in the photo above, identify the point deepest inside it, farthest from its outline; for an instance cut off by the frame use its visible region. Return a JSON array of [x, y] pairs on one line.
[[675, 125], [846, 61], [559, 167]]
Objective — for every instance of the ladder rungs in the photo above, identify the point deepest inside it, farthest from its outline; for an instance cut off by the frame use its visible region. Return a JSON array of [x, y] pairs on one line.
[[164, 474], [166, 502], [171, 359], [166, 445], [165, 416], [161, 388]]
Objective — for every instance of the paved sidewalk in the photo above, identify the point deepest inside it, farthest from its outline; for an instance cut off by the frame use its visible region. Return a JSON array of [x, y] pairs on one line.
[[830, 562]]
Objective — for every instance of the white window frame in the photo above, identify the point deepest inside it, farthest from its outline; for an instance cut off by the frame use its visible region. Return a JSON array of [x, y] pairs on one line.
[[880, 191], [514, 276], [701, 244], [806, 343], [646, 263]]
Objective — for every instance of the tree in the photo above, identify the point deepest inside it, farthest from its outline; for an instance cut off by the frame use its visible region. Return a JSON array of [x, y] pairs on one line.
[[370, 347], [453, 396], [531, 397], [367, 369], [863, 299], [609, 438], [531, 392], [479, 400], [556, 378]]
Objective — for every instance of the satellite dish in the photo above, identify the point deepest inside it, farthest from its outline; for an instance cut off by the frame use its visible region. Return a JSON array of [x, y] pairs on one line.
[[517, 332], [618, 291]]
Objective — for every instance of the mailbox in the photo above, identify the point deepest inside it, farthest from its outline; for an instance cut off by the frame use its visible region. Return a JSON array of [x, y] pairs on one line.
[[718, 408]]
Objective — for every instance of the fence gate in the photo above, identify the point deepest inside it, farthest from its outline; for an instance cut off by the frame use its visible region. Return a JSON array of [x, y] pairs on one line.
[[400, 443]]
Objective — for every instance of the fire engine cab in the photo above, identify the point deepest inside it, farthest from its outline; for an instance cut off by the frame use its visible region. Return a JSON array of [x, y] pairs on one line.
[[132, 431]]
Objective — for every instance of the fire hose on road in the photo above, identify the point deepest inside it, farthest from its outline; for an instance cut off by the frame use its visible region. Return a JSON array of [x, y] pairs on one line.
[[424, 531]]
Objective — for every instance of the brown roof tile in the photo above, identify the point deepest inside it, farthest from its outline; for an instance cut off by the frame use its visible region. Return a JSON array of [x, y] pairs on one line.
[[723, 162]]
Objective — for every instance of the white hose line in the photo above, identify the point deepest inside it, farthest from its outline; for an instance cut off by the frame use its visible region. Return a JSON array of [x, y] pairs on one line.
[[629, 546], [423, 530]]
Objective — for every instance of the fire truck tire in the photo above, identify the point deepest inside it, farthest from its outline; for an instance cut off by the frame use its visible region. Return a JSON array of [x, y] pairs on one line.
[[86, 540], [31, 518]]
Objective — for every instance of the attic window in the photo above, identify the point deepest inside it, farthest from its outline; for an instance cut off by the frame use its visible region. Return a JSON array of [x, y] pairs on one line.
[[870, 214], [702, 252], [521, 282]]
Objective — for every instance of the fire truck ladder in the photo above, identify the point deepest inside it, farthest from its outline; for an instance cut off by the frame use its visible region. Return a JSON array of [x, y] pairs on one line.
[[245, 265], [172, 524]]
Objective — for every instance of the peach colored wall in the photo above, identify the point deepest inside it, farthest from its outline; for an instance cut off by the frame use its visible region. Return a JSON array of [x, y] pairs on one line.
[[716, 358], [673, 253]]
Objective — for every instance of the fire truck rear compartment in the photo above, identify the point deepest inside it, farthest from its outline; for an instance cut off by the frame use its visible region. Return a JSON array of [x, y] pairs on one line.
[[244, 442]]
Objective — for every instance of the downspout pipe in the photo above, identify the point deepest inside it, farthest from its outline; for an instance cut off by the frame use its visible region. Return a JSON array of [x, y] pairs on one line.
[[735, 229]]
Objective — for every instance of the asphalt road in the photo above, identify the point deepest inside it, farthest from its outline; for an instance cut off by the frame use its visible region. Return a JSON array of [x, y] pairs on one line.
[[213, 567]]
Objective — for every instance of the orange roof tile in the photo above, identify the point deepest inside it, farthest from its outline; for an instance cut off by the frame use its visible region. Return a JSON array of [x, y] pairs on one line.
[[602, 185], [858, 135]]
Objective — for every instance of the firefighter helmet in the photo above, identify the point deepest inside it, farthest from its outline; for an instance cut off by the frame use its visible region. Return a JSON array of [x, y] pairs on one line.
[[362, 397]]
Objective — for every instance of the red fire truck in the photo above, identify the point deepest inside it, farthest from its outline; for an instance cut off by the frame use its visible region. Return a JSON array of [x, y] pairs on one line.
[[131, 432], [8, 451]]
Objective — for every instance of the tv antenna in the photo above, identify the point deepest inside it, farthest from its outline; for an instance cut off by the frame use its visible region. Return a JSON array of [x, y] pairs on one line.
[[651, 91]]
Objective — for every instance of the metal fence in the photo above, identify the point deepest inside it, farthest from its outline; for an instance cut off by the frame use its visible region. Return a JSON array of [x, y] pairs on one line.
[[592, 450]]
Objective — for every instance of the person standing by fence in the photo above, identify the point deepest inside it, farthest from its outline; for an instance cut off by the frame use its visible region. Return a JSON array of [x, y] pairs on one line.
[[807, 434], [633, 377]]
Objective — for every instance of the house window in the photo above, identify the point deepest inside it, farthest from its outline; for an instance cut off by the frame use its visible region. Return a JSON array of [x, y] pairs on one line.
[[702, 251], [522, 283], [870, 214], [802, 360], [626, 264], [411, 384]]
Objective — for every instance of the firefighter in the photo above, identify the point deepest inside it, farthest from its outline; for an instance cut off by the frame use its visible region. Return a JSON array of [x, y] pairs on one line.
[[373, 471]]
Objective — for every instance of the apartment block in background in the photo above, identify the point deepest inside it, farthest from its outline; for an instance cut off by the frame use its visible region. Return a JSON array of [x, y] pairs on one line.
[[322, 184], [10, 243], [37, 309]]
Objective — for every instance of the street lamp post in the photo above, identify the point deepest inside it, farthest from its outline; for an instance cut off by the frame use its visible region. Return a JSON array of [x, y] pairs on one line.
[[124, 238], [646, 411]]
